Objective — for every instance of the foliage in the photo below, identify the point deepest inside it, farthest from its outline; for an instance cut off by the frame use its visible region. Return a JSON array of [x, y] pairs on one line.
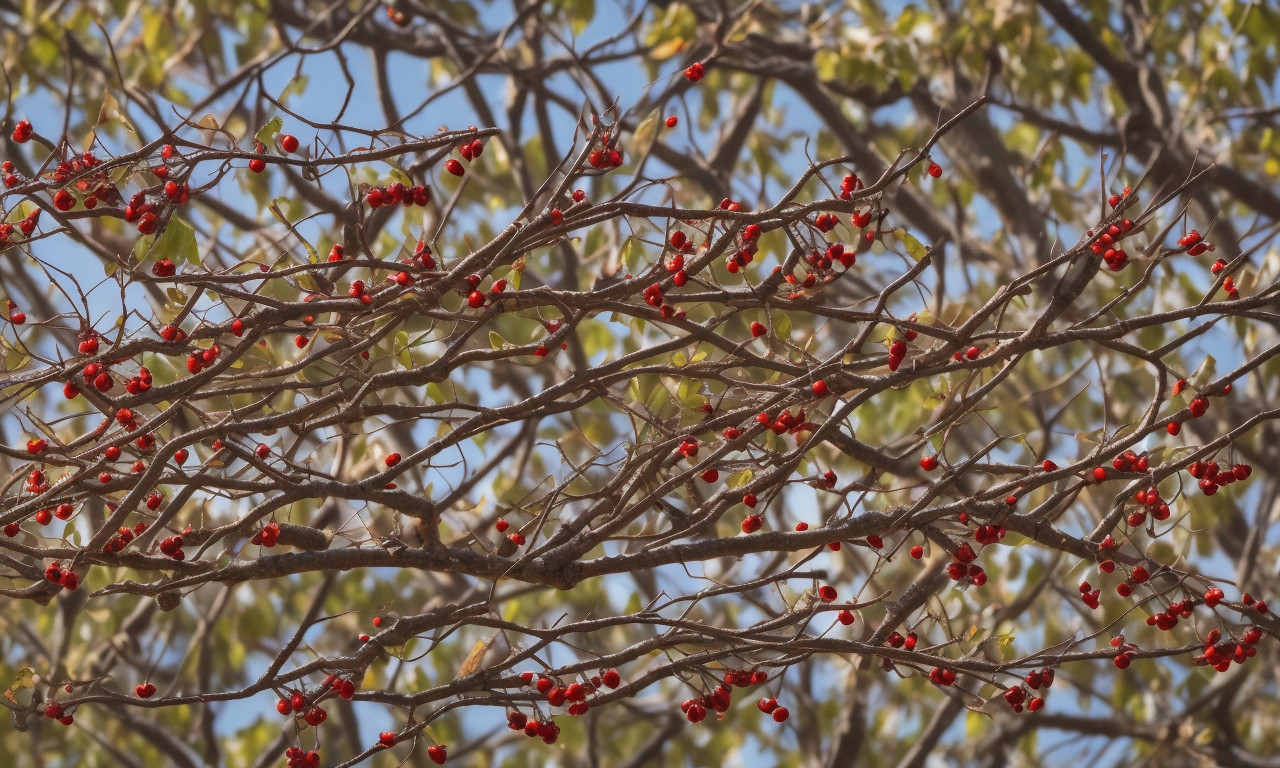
[[892, 361]]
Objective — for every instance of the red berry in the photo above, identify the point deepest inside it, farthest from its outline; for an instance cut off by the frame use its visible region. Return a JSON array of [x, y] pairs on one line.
[[257, 165], [695, 72], [289, 143], [611, 678], [917, 552], [671, 121], [315, 716], [145, 691], [929, 463], [22, 132], [438, 753], [935, 170], [780, 714], [820, 388], [454, 167], [758, 329]]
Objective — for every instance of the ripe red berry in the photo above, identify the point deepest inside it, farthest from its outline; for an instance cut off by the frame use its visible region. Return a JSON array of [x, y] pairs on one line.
[[935, 170], [392, 459], [289, 143], [22, 132], [780, 714], [929, 463], [827, 592], [475, 299], [752, 523], [454, 167], [611, 678], [695, 72], [820, 388], [438, 753], [917, 552], [145, 691], [315, 716], [386, 739], [257, 165], [671, 121], [758, 329]]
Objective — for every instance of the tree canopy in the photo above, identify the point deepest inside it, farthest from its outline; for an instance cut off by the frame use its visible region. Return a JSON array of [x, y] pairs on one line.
[[586, 383]]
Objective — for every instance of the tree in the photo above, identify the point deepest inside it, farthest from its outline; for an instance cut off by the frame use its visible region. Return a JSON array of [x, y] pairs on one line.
[[906, 370]]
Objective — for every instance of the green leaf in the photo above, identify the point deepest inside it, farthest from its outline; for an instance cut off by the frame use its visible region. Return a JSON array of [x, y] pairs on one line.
[[1204, 374], [782, 325], [177, 242], [915, 249], [267, 133], [401, 349]]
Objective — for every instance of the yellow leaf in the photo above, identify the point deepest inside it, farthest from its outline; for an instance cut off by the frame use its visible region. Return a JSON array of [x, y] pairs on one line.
[[668, 48], [472, 662]]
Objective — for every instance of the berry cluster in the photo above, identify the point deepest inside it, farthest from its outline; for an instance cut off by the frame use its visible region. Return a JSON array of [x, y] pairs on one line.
[[898, 347], [67, 579], [1116, 259], [786, 422], [962, 566], [397, 193], [26, 227], [123, 537], [1211, 477], [54, 711], [1219, 653], [747, 247], [608, 155], [298, 758]]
